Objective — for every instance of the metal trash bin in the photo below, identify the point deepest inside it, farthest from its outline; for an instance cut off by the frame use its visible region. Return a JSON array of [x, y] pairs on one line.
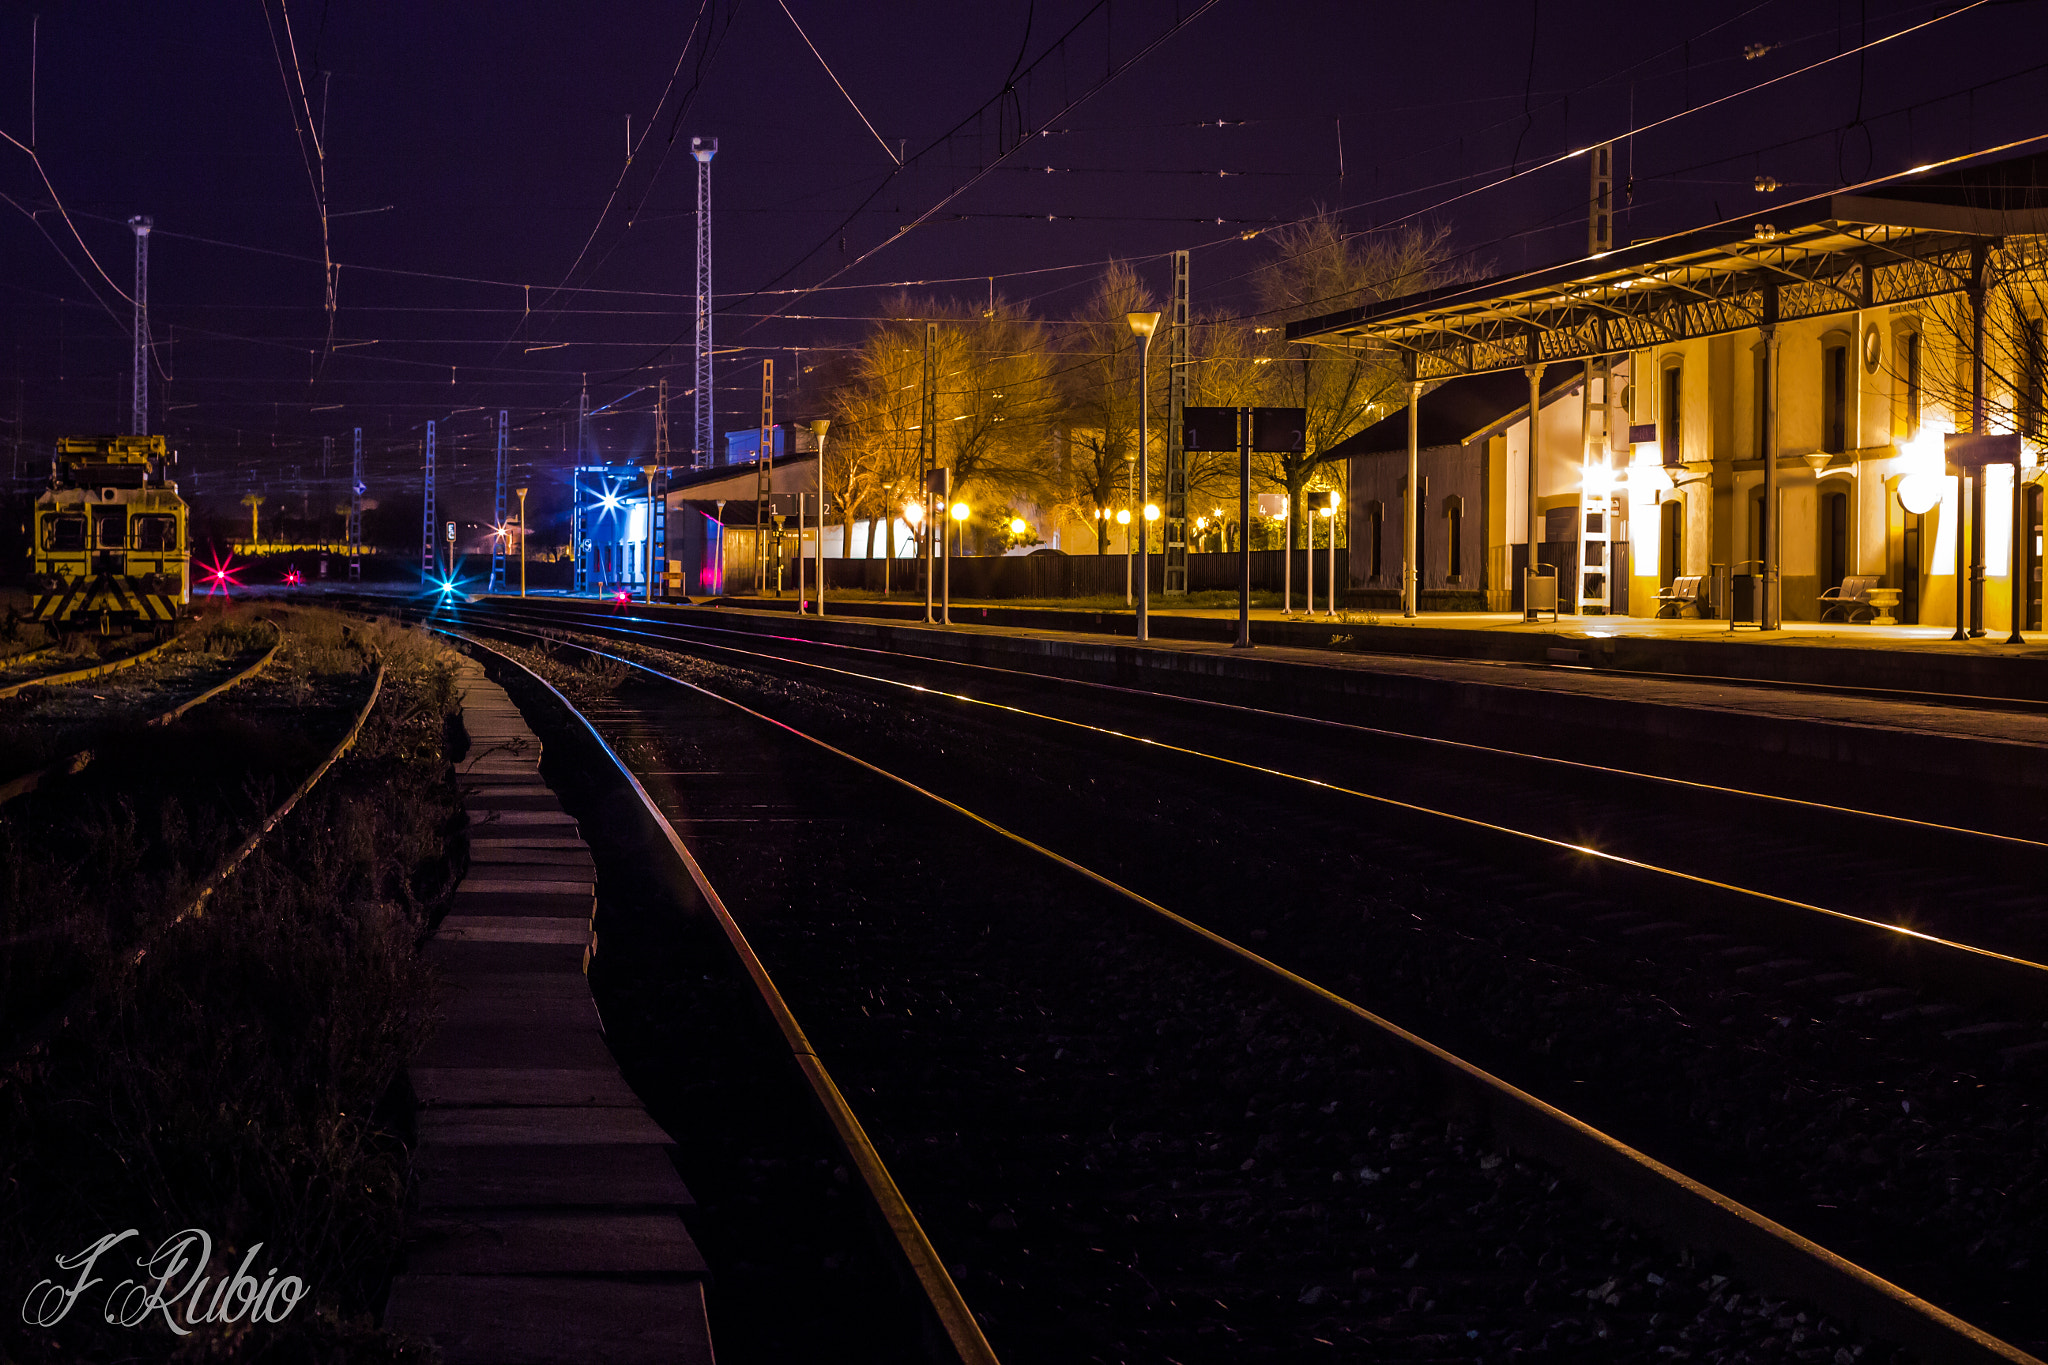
[[1539, 591]]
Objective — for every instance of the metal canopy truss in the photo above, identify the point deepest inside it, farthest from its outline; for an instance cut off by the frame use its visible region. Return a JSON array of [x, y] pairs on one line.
[[1656, 295], [1176, 458]]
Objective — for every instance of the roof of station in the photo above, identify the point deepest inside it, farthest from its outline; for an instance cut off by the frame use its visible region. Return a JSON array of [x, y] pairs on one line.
[[1460, 412], [1914, 238]]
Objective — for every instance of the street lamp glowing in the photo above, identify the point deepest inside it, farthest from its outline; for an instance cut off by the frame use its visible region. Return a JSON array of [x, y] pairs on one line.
[[1142, 324], [1919, 492], [1017, 526], [1151, 511], [1123, 516], [960, 511], [913, 512], [610, 502]]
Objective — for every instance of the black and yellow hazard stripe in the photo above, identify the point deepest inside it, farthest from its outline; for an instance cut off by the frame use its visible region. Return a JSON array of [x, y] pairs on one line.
[[119, 598]]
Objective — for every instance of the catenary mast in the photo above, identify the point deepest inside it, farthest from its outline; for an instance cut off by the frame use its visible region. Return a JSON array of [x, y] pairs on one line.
[[139, 419], [703, 148]]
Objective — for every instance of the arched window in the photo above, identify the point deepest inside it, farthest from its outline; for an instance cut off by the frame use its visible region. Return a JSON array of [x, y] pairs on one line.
[[1670, 427], [1834, 538], [1834, 392], [1375, 523], [1671, 556], [1454, 537]]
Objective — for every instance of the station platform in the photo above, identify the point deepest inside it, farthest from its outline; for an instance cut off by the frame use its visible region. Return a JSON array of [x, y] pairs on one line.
[[1922, 659], [1808, 709], [549, 1224]]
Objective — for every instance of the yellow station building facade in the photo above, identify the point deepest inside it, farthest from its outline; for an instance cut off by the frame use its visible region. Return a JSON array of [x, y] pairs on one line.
[[1695, 390]]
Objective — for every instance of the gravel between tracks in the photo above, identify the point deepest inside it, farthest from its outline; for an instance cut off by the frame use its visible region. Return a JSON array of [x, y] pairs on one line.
[[1132, 1156], [1899, 1131]]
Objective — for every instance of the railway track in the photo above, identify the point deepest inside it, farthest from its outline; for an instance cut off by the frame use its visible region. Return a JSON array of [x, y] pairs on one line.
[[958, 751], [76, 761], [54, 670], [63, 979]]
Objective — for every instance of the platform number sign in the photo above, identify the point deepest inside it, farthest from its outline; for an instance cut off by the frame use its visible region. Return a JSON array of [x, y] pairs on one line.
[[451, 533]]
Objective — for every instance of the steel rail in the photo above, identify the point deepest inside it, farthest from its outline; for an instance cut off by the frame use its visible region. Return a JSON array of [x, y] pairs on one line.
[[39, 1035], [98, 670], [963, 1333], [1887, 949], [1970, 700], [78, 762], [1636, 1184], [602, 623], [30, 656]]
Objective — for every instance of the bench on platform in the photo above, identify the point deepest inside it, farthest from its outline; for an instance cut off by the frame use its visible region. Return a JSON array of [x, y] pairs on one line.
[[1852, 597], [1683, 597]]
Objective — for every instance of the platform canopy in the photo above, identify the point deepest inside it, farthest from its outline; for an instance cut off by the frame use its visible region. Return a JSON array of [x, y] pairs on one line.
[[1914, 238]]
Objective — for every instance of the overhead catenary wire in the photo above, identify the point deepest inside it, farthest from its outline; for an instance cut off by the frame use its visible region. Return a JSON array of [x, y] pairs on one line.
[[850, 101]]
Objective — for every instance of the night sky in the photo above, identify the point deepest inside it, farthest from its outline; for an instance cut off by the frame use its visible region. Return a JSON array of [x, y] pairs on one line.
[[469, 152]]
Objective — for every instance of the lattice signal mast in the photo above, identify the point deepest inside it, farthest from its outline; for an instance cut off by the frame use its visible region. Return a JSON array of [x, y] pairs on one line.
[[355, 512], [701, 436], [138, 424], [429, 553], [498, 513]]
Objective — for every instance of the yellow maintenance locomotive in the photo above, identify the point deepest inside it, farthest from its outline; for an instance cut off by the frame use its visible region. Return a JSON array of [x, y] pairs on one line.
[[110, 548]]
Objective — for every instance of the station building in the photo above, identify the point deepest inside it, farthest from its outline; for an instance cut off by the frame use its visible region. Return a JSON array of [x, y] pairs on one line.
[[1768, 408]]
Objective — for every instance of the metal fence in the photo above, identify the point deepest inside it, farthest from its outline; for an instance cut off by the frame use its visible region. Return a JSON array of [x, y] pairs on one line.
[[1028, 576]]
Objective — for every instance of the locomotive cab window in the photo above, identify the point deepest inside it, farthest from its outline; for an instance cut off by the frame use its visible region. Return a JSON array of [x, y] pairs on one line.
[[155, 533], [64, 533], [110, 529]]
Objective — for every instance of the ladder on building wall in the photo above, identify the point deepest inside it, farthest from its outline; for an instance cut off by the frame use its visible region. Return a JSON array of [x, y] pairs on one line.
[[1596, 551], [1594, 592]]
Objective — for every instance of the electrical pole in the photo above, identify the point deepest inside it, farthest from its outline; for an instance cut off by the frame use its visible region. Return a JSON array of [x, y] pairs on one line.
[[430, 555], [139, 419], [657, 498], [579, 552], [928, 458], [764, 479], [1176, 509], [355, 513], [498, 514], [701, 436]]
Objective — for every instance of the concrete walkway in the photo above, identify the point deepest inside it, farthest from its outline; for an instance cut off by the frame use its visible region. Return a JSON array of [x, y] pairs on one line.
[[549, 1225]]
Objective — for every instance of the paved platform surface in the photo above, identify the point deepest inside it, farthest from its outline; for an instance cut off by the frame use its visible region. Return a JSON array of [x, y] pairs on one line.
[[549, 1226]]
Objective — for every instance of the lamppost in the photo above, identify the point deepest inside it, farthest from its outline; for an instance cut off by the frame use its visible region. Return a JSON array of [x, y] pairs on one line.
[[818, 427], [522, 541], [913, 512], [1143, 325], [960, 511], [1336, 500], [1123, 519]]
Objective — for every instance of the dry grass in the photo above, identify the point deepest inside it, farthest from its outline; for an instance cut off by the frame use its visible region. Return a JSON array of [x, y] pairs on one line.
[[242, 1078]]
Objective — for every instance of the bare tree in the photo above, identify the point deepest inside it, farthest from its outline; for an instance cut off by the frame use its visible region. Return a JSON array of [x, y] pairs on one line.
[[996, 402], [1318, 268], [871, 452], [1099, 391]]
